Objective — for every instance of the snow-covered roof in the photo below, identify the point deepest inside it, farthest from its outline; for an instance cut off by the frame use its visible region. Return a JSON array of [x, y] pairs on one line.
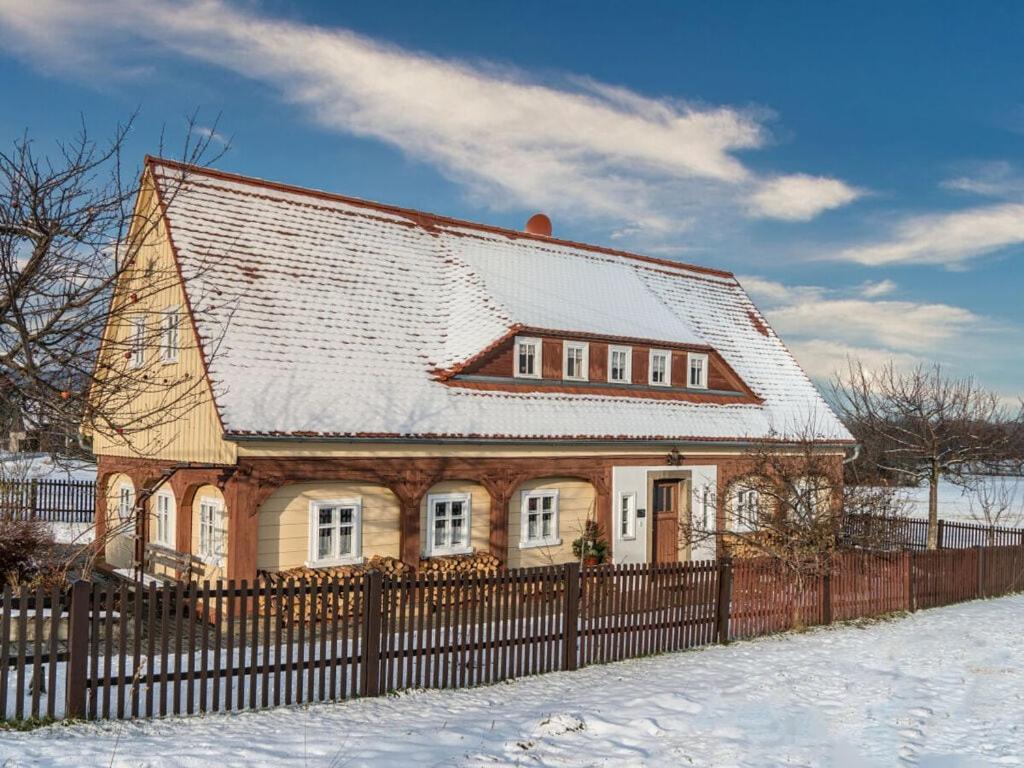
[[324, 315]]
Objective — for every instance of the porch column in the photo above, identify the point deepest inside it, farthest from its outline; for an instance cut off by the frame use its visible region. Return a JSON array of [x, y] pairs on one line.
[[410, 491], [603, 502], [500, 486], [244, 494]]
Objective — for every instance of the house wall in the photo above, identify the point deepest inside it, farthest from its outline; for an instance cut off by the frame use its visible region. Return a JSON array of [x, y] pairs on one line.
[[119, 547], [153, 528], [173, 401], [576, 504], [218, 569], [283, 522], [480, 506]]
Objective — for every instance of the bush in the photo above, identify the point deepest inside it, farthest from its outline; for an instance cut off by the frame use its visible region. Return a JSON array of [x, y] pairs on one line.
[[591, 544], [26, 548]]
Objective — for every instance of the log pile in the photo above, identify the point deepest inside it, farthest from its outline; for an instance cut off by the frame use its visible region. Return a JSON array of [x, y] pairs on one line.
[[479, 564]]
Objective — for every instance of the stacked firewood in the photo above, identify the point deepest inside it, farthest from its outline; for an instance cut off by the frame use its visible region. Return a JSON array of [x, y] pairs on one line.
[[479, 564]]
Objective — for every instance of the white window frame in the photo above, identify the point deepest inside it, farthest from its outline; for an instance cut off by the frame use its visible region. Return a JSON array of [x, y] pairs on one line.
[[164, 515], [667, 354], [138, 341], [170, 335], [747, 522], [433, 550], [125, 502], [554, 540], [537, 357], [584, 364], [211, 533], [692, 357], [628, 373], [630, 533], [336, 558]]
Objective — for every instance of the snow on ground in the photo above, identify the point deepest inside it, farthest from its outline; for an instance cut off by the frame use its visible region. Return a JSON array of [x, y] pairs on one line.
[[78, 534], [958, 504], [42, 466], [939, 689]]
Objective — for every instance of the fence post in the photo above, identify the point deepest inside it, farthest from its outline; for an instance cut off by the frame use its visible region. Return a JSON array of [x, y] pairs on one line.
[[370, 673], [981, 572], [910, 586], [571, 615], [78, 650], [940, 534], [33, 499], [826, 597], [724, 600]]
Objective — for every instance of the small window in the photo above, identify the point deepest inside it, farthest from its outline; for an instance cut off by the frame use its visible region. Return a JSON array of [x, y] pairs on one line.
[[211, 531], [576, 361], [660, 367], [169, 335], [627, 516], [448, 524], [528, 358], [125, 502], [540, 519], [335, 532], [746, 509], [698, 371], [620, 365], [138, 351], [165, 519]]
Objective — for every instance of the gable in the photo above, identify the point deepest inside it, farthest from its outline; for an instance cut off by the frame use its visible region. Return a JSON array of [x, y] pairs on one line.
[[342, 318]]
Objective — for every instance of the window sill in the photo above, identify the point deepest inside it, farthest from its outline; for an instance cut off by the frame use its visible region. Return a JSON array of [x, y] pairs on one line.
[[334, 562], [539, 544], [449, 553]]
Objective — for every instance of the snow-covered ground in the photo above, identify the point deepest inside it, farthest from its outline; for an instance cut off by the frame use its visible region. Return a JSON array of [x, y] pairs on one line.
[[42, 466], [958, 504], [938, 689]]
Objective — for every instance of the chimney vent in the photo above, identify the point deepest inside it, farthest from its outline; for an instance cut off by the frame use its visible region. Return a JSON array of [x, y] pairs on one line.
[[539, 224]]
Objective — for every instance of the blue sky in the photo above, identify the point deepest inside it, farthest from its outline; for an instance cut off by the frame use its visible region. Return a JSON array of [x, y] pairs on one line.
[[861, 168]]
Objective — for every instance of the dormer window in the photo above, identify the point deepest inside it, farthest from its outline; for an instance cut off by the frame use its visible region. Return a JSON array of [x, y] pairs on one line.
[[527, 362], [576, 361], [659, 367], [620, 365], [698, 371]]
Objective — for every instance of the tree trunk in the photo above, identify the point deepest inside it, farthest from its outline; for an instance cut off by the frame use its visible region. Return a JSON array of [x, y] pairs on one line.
[[933, 508]]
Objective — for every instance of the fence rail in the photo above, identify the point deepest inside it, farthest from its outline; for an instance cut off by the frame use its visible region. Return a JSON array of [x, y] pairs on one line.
[[54, 501], [897, 533], [111, 651]]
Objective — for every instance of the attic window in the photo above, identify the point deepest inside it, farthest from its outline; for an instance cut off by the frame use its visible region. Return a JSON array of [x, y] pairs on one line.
[[527, 361], [659, 368], [138, 341], [169, 335], [697, 377], [576, 362], [620, 365]]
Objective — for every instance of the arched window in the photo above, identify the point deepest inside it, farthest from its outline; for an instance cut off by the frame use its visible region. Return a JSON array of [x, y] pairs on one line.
[[747, 504], [810, 497]]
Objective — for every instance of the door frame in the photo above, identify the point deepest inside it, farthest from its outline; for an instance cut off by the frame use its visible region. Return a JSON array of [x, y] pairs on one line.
[[684, 503]]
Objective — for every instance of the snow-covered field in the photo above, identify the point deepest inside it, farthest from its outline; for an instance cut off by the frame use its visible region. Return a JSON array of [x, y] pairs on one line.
[[938, 689], [42, 466], [964, 506]]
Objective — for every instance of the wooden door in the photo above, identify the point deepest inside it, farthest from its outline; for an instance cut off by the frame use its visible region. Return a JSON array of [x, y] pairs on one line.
[[665, 510]]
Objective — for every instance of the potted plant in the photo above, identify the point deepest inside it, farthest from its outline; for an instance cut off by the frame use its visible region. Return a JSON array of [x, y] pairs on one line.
[[591, 547]]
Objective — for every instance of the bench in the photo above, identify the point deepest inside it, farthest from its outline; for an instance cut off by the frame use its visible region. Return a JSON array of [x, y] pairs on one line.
[[186, 565]]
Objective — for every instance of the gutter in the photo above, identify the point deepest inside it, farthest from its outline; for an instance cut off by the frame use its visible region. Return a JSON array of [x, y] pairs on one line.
[[855, 456]]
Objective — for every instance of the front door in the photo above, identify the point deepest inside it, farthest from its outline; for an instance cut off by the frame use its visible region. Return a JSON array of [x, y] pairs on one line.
[[665, 510]]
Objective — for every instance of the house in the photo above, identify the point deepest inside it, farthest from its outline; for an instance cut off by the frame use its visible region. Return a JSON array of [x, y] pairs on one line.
[[372, 380]]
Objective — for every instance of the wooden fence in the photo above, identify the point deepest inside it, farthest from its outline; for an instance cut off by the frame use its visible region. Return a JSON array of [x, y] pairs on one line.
[[896, 533], [53, 501], [111, 651]]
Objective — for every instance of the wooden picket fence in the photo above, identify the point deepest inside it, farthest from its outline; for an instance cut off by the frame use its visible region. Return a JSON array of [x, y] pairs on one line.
[[53, 501], [115, 651], [897, 533]]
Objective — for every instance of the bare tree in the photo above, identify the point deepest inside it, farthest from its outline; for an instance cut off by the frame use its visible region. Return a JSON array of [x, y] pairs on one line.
[[995, 500], [71, 228], [925, 425]]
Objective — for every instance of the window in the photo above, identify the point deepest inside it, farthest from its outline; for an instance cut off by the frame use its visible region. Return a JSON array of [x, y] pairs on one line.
[[620, 365], [660, 367], [746, 509], [528, 352], [125, 502], [138, 351], [577, 361], [169, 335], [448, 521], [165, 519], [211, 534], [698, 371], [540, 519], [627, 516], [335, 532]]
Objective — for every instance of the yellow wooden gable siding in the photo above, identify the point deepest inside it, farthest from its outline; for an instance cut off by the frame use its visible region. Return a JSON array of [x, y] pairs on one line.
[[194, 433]]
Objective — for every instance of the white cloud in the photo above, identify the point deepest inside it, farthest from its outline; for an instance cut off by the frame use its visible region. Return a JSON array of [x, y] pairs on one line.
[[822, 359], [992, 179], [872, 290], [575, 147], [800, 197], [949, 239]]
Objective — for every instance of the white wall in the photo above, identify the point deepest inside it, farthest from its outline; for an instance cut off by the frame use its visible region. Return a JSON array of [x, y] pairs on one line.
[[635, 480]]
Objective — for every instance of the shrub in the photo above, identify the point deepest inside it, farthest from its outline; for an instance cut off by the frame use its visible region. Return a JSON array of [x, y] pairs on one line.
[[591, 543], [26, 548]]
